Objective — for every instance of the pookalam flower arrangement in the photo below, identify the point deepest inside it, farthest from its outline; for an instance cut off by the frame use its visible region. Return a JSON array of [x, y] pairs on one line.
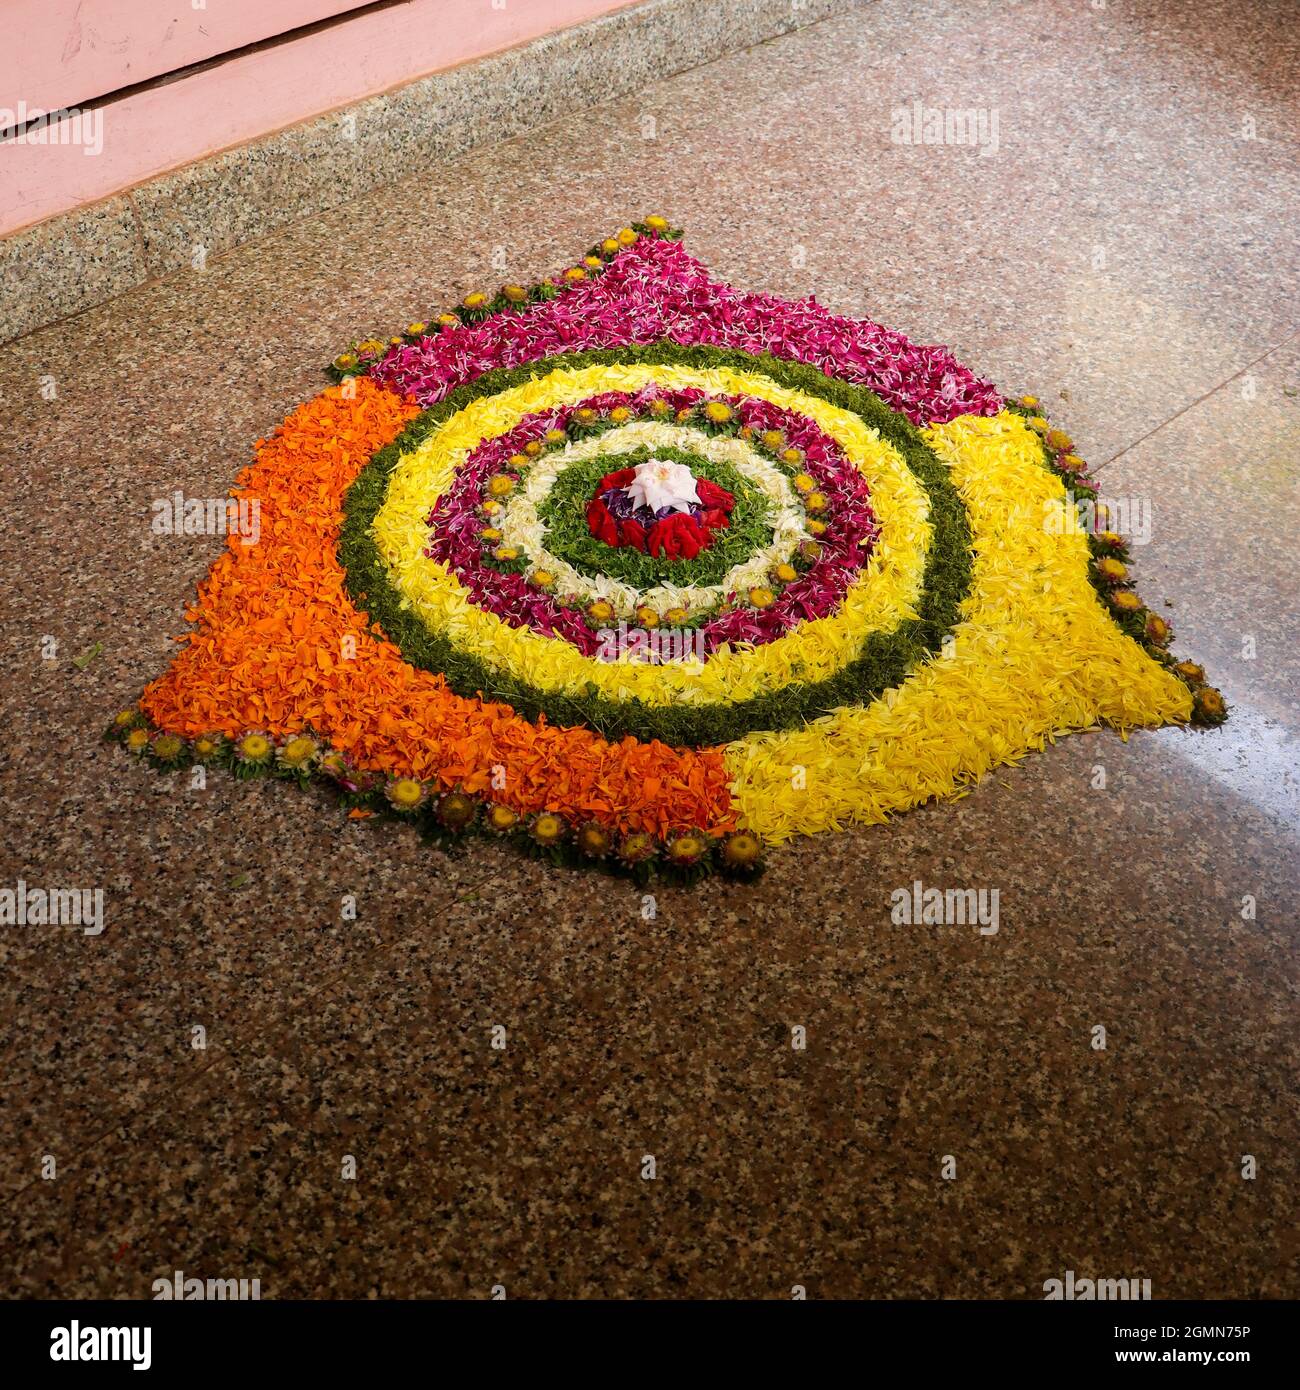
[[638, 570]]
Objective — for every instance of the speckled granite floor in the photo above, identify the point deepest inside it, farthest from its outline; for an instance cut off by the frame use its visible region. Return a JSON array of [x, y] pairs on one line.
[[1171, 354]]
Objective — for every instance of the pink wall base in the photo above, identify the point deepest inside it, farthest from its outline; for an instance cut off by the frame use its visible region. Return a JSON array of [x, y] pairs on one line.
[[99, 45]]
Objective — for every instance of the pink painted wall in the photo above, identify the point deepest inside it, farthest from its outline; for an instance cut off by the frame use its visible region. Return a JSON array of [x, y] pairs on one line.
[[60, 52], [70, 51]]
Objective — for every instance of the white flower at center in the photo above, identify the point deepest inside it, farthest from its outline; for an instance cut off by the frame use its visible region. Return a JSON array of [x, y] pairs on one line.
[[663, 483]]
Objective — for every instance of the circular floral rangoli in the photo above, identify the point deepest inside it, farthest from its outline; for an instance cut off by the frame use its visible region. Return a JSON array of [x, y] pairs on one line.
[[635, 569]]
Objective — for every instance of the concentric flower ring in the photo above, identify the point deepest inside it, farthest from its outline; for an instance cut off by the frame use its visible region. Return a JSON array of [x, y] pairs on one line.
[[894, 614]]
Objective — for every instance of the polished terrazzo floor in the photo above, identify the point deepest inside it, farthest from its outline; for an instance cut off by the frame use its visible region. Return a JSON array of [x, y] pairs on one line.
[[1126, 254]]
